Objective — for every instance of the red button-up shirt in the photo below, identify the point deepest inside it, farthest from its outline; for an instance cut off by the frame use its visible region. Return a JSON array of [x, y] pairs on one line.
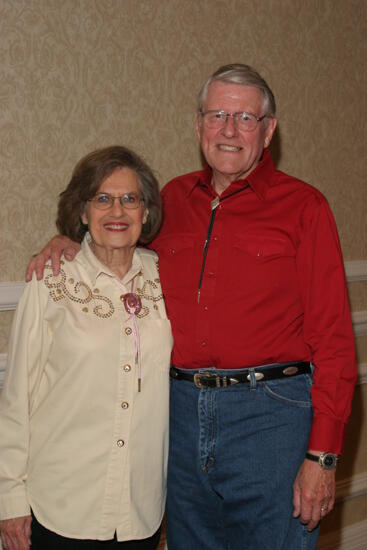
[[273, 288]]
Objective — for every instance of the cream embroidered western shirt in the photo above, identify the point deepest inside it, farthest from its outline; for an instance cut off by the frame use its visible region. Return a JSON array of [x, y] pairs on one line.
[[78, 443]]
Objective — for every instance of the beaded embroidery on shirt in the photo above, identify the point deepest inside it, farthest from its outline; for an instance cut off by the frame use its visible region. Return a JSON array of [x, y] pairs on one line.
[[145, 293], [78, 292]]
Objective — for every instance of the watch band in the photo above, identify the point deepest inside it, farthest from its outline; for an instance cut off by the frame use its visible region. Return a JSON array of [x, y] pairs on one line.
[[314, 458], [327, 461]]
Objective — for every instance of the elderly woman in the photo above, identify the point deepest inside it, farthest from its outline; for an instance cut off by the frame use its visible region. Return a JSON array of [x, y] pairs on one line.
[[84, 409]]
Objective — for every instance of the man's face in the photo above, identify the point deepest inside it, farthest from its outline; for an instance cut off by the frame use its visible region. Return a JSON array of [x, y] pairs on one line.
[[233, 153]]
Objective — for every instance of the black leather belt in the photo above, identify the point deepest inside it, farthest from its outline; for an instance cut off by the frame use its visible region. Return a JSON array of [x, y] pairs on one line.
[[210, 379]]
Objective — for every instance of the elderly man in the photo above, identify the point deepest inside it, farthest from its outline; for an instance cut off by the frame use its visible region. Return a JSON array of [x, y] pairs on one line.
[[263, 366]]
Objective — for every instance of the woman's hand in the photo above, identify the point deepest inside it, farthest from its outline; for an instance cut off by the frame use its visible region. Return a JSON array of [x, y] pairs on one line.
[[16, 533], [53, 249]]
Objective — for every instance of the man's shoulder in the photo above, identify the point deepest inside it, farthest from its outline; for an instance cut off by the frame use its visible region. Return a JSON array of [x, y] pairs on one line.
[[298, 186], [181, 184]]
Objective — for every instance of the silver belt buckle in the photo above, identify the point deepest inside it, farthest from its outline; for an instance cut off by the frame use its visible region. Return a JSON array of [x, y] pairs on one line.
[[198, 376]]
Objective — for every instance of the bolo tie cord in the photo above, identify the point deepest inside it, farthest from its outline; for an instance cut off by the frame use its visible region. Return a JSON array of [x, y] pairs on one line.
[[132, 304], [213, 205]]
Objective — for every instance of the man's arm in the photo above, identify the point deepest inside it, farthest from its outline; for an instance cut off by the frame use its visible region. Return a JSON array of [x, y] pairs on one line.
[[328, 332], [57, 246]]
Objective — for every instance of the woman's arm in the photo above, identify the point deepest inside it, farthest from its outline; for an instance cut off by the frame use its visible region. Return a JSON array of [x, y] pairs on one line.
[[28, 344], [16, 533]]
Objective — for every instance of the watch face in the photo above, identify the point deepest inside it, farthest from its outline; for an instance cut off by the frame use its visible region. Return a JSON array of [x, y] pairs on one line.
[[329, 461]]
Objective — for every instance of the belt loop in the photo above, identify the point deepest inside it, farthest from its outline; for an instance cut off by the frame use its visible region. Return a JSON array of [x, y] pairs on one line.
[[252, 379]]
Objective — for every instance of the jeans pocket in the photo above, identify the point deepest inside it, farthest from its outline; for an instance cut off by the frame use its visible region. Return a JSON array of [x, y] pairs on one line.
[[296, 392]]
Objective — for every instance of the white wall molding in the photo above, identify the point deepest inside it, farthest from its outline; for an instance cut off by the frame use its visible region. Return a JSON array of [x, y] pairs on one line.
[[3, 357], [9, 295], [362, 373], [356, 271], [353, 537], [359, 319], [351, 487]]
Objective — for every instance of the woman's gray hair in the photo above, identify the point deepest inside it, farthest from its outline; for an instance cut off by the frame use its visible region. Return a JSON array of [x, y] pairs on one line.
[[86, 179], [238, 73]]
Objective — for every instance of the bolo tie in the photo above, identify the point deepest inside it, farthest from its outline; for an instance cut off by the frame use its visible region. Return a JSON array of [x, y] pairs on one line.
[[133, 305], [213, 205]]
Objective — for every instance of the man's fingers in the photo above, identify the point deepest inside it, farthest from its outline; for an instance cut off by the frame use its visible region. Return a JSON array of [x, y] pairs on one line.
[[30, 268], [53, 250], [296, 501], [70, 253], [55, 261]]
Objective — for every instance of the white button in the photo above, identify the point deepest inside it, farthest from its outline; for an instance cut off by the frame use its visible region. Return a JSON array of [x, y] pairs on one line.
[[120, 442], [124, 405], [127, 368]]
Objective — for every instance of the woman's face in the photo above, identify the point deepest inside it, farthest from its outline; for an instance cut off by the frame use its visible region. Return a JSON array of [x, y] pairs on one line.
[[117, 227]]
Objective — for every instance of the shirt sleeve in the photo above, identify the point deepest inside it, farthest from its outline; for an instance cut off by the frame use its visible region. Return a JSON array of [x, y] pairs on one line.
[[328, 327], [24, 370]]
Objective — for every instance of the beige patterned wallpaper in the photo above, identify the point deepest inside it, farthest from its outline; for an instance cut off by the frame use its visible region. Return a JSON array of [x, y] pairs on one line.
[[77, 74]]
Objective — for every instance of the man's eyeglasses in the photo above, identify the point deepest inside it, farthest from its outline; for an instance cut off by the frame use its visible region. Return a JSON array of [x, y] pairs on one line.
[[104, 201], [218, 119]]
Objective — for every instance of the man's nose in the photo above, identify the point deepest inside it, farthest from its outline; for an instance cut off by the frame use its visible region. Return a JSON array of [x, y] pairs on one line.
[[230, 127]]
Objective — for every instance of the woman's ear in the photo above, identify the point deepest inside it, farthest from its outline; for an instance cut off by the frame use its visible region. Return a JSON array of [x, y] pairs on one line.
[[145, 215], [84, 217]]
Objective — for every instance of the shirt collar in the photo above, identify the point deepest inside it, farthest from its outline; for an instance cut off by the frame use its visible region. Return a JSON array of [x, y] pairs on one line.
[[95, 268], [259, 179]]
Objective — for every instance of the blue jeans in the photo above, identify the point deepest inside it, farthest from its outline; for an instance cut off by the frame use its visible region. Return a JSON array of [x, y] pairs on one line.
[[234, 454]]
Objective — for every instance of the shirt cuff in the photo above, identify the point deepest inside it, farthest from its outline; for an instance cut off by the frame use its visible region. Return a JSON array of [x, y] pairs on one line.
[[327, 435], [14, 507]]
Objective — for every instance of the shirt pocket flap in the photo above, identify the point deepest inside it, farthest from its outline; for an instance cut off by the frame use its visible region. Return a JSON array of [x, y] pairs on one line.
[[264, 248], [174, 244]]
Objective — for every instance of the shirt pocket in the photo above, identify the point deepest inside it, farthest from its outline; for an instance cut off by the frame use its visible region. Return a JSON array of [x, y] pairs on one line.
[[262, 262], [175, 253]]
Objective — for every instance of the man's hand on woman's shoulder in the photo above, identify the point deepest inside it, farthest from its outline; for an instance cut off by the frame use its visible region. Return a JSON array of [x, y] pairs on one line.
[[53, 250]]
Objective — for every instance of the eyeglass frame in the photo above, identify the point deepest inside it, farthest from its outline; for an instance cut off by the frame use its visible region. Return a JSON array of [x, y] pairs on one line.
[[113, 197], [234, 116]]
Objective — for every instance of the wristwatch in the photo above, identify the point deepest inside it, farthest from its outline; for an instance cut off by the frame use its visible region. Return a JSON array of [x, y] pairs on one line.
[[327, 461]]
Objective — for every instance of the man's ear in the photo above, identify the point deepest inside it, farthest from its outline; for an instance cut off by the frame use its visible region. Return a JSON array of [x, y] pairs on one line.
[[198, 122], [270, 129]]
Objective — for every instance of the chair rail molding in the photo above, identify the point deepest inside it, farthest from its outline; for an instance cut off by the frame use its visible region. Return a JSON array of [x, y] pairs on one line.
[[356, 271], [10, 294]]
